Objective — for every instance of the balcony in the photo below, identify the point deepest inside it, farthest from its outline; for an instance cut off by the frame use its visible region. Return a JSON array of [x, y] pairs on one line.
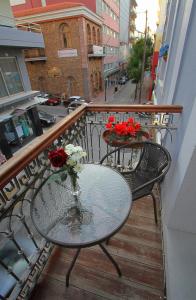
[[23, 36], [137, 247], [35, 55], [95, 51]]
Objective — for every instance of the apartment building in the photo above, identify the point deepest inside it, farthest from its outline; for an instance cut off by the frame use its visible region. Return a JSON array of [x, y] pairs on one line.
[[127, 29], [133, 15]]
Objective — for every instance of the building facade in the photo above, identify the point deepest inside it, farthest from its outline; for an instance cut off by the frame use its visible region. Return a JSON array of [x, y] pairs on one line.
[[109, 11], [174, 85], [72, 61], [127, 29], [15, 84], [15, 87], [158, 36], [132, 27]]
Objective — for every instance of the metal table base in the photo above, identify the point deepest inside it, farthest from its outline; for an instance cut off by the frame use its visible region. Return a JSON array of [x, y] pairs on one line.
[[76, 256]]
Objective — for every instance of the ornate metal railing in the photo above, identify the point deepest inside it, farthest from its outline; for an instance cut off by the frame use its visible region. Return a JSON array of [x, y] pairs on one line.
[[23, 252]]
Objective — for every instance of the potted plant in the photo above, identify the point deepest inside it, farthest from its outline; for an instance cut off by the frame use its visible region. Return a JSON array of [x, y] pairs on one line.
[[123, 133]]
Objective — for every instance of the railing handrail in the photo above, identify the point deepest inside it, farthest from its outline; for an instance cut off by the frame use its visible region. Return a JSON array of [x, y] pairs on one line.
[[21, 159], [135, 108]]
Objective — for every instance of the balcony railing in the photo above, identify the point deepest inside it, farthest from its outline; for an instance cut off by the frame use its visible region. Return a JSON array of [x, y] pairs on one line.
[[35, 55], [95, 51], [23, 251], [33, 27]]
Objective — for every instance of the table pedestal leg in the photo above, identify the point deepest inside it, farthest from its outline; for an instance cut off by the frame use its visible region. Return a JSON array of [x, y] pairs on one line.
[[71, 266], [112, 260]]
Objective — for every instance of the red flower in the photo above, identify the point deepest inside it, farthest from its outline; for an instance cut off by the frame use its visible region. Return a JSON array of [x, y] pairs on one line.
[[137, 126], [108, 125], [121, 129], [111, 119], [131, 130], [130, 120], [58, 157]]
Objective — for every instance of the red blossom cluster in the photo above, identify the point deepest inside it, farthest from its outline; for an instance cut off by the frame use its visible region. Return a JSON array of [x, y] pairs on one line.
[[127, 128]]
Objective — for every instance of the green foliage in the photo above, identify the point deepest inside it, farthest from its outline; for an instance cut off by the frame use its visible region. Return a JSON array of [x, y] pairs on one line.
[[136, 58]]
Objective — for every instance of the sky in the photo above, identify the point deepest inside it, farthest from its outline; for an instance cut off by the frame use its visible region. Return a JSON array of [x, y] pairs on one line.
[[152, 7]]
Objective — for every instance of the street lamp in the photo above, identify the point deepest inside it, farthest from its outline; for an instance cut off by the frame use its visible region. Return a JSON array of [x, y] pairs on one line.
[[106, 81]]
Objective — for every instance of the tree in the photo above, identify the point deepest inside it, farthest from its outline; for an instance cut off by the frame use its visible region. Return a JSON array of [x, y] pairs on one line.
[[136, 59]]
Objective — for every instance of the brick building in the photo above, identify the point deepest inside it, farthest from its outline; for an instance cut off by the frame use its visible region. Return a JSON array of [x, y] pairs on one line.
[[109, 11], [71, 63]]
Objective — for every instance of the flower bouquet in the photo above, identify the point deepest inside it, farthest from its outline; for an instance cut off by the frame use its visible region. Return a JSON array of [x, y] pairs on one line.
[[67, 162], [123, 133]]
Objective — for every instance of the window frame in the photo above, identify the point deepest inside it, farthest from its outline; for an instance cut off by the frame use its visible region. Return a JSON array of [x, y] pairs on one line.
[[20, 75]]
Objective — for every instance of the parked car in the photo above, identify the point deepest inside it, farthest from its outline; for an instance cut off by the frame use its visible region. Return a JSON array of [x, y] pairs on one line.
[[43, 95], [53, 101], [46, 119], [75, 104], [122, 80], [73, 98]]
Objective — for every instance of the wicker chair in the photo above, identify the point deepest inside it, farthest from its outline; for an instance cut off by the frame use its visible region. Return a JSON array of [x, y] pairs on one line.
[[154, 163]]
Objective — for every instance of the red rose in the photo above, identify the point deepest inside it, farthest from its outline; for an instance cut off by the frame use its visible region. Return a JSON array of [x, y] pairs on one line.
[[58, 157], [111, 119]]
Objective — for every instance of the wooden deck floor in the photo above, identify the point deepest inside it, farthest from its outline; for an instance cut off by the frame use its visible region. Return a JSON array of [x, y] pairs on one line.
[[136, 248]]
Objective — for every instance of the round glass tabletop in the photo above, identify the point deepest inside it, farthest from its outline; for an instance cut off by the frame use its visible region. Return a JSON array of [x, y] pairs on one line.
[[104, 205]]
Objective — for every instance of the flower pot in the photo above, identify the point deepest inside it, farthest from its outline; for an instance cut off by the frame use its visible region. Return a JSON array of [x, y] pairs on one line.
[[115, 140]]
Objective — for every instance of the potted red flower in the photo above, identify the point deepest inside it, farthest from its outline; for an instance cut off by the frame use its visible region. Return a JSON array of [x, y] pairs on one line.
[[123, 133]]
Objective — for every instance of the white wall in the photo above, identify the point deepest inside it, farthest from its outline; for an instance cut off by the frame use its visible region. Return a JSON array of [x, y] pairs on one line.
[[181, 89], [179, 186]]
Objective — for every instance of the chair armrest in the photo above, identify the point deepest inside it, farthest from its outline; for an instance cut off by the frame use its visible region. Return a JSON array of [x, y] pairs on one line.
[[157, 179]]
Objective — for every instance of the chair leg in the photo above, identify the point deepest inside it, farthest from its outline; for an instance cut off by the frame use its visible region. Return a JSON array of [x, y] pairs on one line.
[[155, 207]]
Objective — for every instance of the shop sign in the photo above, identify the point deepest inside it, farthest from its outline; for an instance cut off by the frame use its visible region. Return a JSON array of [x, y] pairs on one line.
[[97, 50], [67, 53]]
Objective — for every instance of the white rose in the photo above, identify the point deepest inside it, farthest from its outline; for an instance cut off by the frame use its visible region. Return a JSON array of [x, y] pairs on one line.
[[78, 149], [69, 149], [71, 162], [76, 156], [78, 168]]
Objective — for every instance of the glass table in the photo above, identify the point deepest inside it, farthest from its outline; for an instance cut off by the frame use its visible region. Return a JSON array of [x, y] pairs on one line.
[[103, 208]]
